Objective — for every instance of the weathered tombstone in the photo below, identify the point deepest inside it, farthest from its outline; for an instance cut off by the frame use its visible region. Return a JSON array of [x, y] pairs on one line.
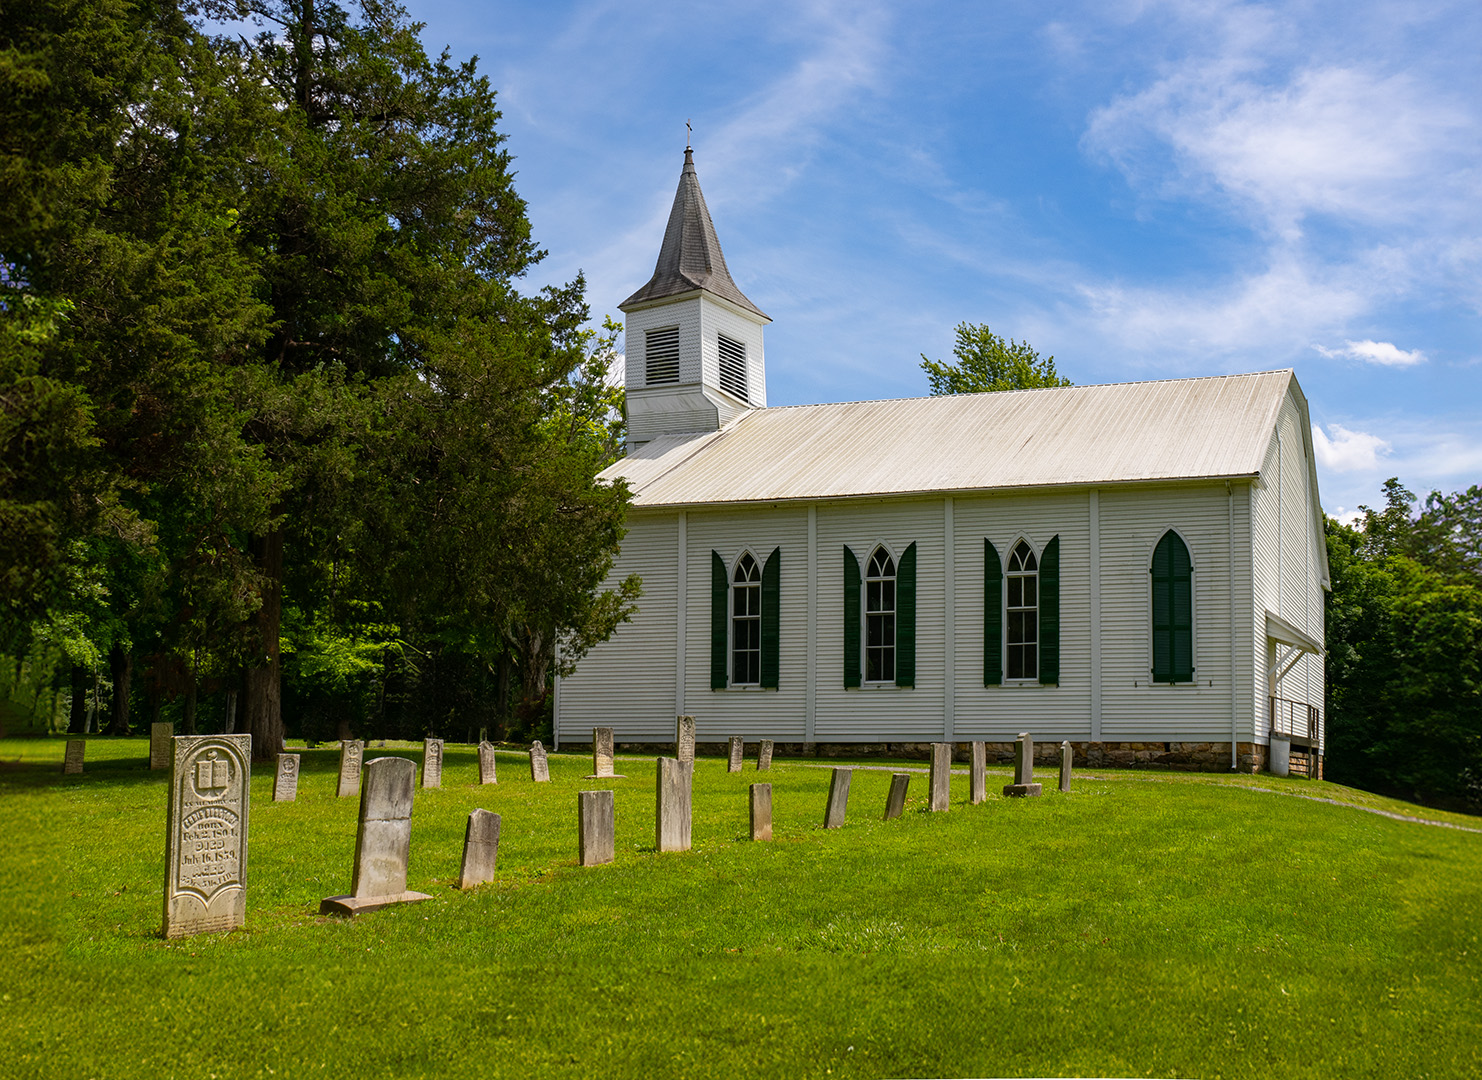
[[684, 738], [351, 753], [72, 762], [540, 769], [383, 842], [432, 763], [895, 802], [764, 755], [1023, 769], [761, 811], [735, 751], [838, 798], [159, 745], [486, 764], [941, 776], [480, 849], [206, 864], [601, 754], [1066, 756], [672, 823], [285, 784], [977, 775], [595, 835]]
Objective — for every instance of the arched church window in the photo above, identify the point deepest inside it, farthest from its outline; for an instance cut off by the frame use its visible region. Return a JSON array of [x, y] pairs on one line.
[[1173, 610], [1023, 613], [880, 603], [746, 622]]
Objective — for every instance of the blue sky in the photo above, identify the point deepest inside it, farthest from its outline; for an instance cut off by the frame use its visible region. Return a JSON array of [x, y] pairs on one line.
[[1143, 190]]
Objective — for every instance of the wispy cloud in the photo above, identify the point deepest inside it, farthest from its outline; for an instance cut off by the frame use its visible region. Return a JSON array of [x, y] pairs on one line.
[[1347, 451], [1375, 352]]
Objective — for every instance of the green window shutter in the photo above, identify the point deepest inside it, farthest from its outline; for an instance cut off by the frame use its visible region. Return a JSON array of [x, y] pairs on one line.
[[851, 619], [771, 624], [720, 603], [992, 615], [1049, 613], [1173, 611], [905, 619]]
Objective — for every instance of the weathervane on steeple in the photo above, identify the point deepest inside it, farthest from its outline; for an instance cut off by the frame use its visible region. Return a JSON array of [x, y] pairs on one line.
[[688, 131]]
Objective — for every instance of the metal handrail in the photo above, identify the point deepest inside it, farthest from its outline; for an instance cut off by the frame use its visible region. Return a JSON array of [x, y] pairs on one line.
[[1295, 718]]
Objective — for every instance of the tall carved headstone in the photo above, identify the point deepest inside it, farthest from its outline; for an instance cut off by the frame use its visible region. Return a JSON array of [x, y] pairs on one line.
[[595, 834], [941, 776], [838, 798], [1023, 769], [895, 802], [684, 738], [735, 751], [977, 774], [486, 763], [432, 763], [206, 861], [1067, 756], [383, 843], [601, 754], [764, 755], [285, 783], [540, 768], [159, 745], [352, 752], [480, 849], [72, 762], [672, 818], [761, 811]]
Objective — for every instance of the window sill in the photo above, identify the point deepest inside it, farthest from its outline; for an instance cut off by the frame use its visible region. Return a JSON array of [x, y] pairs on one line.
[[749, 689], [873, 686], [1024, 682]]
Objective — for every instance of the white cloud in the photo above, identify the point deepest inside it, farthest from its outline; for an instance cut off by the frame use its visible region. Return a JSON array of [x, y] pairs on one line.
[[1375, 352], [1347, 451]]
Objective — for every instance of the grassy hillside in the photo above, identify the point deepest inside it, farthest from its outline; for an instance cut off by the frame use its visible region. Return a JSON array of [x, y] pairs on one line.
[[1145, 924]]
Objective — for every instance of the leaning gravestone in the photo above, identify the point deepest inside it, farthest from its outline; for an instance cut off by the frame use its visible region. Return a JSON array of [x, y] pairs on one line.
[[159, 745], [684, 738], [672, 818], [206, 861], [285, 784], [351, 752], [486, 763], [480, 849], [383, 842], [72, 762], [1066, 757], [764, 755], [1023, 769], [595, 836], [941, 776], [432, 763], [977, 775], [838, 798], [761, 811], [895, 802], [540, 769], [736, 750], [602, 754]]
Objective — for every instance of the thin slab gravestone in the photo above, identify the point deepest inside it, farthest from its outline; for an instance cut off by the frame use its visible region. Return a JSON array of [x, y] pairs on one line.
[[352, 751], [72, 762], [480, 849], [1067, 756], [736, 750], [159, 745], [432, 763], [761, 811], [285, 783], [674, 801], [838, 798], [487, 774], [206, 860], [977, 774], [764, 755], [383, 842], [684, 738], [1023, 769], [895, 802], [941, 776], [595, 835], [540, 768], [602, 755]]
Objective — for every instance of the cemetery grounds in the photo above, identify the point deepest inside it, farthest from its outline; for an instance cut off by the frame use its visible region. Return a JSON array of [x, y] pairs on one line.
[[1145, 924]]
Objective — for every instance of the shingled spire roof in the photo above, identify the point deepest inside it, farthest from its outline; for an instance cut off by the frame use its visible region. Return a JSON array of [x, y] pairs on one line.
[[690, 257]]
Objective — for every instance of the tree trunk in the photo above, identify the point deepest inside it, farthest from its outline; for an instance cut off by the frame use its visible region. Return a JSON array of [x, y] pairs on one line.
[[189, 721], [231, 712], [501, 696], [77, 720], [262, 688], [121, 662]]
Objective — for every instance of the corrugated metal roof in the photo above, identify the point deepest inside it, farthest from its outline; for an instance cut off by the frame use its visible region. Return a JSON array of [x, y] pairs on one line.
[[1167, 430]]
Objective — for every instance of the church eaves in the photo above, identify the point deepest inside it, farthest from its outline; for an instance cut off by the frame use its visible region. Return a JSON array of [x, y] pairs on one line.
[[690, 257]]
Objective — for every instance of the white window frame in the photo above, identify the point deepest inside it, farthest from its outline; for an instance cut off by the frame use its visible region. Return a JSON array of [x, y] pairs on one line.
[[731, 621], [648, 379], [864, 615], [1034, 550], [720, 367]]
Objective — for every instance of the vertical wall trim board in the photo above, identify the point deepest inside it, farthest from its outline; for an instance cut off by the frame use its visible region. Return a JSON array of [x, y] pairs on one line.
[[1095, 629], [810, 707], [1234, 708], [682, 582], [949, 571]]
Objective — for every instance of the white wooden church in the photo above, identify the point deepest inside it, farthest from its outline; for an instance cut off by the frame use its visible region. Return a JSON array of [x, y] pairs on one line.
[[1138, 568]]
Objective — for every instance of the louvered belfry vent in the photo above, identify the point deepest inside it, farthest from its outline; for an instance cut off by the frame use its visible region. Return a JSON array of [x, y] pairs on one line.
[[732, 366], [661, 356]]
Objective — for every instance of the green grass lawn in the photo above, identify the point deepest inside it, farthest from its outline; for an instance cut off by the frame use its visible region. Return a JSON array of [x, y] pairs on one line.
[[1145, 924]]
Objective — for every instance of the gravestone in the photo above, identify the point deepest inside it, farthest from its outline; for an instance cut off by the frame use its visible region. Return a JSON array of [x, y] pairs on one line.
[[595, 835], [764, 755], [1023, 769], [672, 820], [540, 769], [486, 764], [895, 802], [72, 761], [432, 763], [735, 751], [206, 861], [977, 774], [941, 776], [838, 798], [1066, 756], [684, 738], [761, 811], [285, 784], [351, 753], [383, 842], [602, 754], [159, 745], [480, 849]]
